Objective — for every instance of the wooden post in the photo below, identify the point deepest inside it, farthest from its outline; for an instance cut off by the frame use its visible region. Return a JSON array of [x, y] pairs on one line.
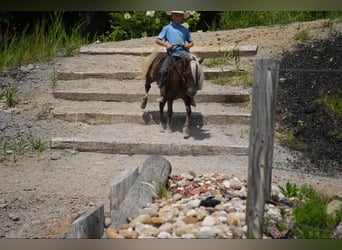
[[265, 85]]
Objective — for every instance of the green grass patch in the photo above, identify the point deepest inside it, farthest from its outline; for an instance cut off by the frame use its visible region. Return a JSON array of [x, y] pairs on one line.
[[49, 37], [245, 19], [10, 93], [333, 103], [302, 35], [162, 191], [311, 220]]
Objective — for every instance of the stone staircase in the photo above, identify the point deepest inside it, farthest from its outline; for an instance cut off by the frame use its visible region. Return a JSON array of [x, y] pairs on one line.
[[103, 87]]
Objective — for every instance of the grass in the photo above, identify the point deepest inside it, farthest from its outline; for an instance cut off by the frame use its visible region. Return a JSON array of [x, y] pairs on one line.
[[232, 59], [10, 93], [49, 37], [54, 80], [245, 19], [20, 146], [302, 35], [311, 220], [37, 144], [333, 103], [162, 191]]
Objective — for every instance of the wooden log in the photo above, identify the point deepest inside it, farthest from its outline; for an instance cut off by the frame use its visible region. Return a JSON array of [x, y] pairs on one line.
[[155, 169], [265, 84], [90, 225], [120, 187]]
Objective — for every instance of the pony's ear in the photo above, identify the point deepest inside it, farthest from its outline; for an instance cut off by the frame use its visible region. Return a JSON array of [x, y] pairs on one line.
[[200, 59]]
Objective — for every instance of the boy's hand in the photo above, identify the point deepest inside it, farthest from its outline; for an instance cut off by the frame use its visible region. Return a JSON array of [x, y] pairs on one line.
[[168, 46]]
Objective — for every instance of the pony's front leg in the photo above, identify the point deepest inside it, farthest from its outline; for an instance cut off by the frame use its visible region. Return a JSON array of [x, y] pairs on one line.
[[187, 119], [147, 89], [169, 115], [161, 115]]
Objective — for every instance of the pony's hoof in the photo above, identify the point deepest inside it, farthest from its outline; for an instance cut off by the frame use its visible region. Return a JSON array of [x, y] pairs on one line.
[[143, 103], [186, 134], [168, 130]]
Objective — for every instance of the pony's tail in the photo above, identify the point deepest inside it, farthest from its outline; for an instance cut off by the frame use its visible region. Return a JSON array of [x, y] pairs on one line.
[[147, 62]]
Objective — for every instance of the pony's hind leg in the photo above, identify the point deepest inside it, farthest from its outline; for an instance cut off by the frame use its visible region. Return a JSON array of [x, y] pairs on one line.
[[147, 89]]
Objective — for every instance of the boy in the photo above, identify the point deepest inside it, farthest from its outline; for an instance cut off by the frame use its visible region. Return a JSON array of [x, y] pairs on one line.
[[177, 41]]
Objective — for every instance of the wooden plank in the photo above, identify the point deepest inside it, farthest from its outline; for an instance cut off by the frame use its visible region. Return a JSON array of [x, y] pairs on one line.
[[121, 185], [90, 225], [265, 84]]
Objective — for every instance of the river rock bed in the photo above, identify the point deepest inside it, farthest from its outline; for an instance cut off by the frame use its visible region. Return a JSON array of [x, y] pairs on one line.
[[203, 206]]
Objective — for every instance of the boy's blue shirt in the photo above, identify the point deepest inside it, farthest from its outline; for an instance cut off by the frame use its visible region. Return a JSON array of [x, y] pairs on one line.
[[176, 34]]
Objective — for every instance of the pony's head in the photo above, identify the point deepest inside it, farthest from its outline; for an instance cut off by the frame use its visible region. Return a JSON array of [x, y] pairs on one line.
[[193, 74]]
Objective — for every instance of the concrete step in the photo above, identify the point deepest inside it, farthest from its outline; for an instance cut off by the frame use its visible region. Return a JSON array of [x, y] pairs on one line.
[[106, 66], [208, 51], [96, 112], [132, 139], [133, 90]]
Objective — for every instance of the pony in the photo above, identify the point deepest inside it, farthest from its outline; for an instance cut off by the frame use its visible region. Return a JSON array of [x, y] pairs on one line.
[[185, 78]]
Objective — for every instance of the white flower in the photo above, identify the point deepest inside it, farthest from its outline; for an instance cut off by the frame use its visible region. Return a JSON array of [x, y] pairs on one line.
[[150, 13], [186, 25], [191, 13], [127, 16]]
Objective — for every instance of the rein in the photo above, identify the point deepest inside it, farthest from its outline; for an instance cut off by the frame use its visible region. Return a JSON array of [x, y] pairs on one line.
[[173, 65]]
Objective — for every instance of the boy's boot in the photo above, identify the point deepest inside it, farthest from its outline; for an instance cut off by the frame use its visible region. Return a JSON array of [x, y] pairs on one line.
[[193, 103], [161, 84], [161, 98]]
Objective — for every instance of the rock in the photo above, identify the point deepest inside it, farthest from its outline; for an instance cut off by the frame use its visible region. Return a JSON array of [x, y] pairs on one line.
[[333, 207], [233, 219], [337, 234], [187, 229], [226, 183], [190, 220], [187, 176], [167, 213], [145, 230], [128, 233], [235, 184], [157, 221], [13, 217], [56, 156], [107, 222], [188, 236], [167, 227], [209, 202], [193, 203], [164, 235], [208, 233], [237, 232], [3, 205], [112, 234], [144, 219], [209, 221], [176, 197]]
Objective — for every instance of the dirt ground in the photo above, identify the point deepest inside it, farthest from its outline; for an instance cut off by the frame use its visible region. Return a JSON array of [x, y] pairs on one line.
[[42, 193]]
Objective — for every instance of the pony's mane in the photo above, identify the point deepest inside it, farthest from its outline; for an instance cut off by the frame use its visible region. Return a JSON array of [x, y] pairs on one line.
[[196, 70]]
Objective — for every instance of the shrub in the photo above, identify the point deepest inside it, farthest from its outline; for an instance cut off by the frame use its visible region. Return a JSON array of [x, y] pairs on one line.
[[137, 24]]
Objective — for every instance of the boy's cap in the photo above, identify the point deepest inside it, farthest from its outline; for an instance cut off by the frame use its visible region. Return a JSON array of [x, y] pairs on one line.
[[185, 13]]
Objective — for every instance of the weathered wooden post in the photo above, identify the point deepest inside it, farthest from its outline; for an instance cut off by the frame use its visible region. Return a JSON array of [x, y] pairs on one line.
[[265, 85]]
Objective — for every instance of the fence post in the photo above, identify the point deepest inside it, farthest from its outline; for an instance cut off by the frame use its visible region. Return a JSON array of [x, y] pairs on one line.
[[265, 85]]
